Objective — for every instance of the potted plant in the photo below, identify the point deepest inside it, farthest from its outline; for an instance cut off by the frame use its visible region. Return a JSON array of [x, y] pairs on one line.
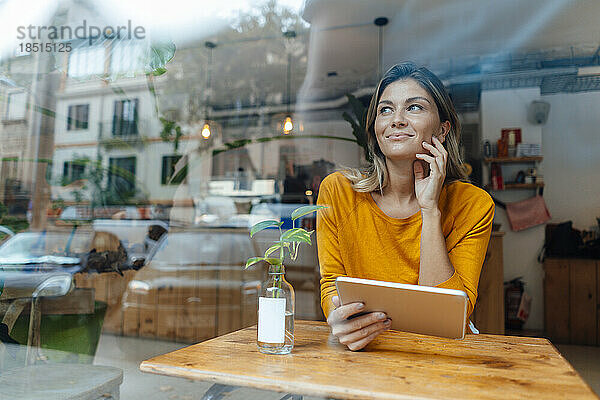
[[276, 301]]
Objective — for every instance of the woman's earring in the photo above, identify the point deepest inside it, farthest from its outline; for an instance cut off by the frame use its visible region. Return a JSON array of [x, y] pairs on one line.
[[442, 136]]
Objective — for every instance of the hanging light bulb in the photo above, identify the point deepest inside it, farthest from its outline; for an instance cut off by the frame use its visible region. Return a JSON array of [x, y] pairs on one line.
[[206, 131], [288, 125], [206, 128]]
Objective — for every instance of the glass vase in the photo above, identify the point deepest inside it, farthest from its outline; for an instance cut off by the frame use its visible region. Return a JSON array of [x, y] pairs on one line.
[[276, 305]]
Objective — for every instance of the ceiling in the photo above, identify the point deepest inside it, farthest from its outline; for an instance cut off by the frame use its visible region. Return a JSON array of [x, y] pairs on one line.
[[470, 44], [462, 41]]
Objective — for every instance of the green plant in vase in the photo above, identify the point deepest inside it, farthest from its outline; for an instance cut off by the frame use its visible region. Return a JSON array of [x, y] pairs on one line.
[[276, 302]]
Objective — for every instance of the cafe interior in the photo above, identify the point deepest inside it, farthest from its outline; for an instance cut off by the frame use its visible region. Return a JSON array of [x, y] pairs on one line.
[[142, 141]]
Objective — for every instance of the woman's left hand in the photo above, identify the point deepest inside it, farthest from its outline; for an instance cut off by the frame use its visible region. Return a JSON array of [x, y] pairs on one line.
[[428, 189]]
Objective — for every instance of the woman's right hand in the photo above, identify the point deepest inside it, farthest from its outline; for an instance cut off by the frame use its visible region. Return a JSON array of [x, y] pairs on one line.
[[357, 332]]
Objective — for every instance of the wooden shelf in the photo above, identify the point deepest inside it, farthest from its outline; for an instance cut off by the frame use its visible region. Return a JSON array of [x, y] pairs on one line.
[[517, 186], [513, 159]]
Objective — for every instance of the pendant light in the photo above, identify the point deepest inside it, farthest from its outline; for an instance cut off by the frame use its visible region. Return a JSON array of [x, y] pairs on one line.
[[288, 123], [206, 133], [380, 22], [206, 130]]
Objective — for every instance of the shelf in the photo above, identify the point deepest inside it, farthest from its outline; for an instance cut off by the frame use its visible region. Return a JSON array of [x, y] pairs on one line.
[[517, 186], [513, 159]]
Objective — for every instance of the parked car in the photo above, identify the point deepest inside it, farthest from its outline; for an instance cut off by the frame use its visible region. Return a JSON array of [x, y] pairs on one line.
[[78, 213], [5, 233], [194, 287], [138, 237], [45, 251]]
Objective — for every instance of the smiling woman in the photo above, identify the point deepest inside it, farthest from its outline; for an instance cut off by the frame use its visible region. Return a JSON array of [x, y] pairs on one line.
[[410, 216], [429, 99], [406, 118]]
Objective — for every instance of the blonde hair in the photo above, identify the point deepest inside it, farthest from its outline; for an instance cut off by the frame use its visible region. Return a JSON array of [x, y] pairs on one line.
[[375, 175]]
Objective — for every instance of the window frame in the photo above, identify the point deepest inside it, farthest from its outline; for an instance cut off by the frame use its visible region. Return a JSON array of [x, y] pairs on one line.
[[112, 163], [9, 101], [69, 171], [80, 59], [77, 124], [126, 51], [126, 127]]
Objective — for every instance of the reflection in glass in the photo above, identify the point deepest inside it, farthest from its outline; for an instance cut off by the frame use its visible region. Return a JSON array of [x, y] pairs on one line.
[[123, 166]]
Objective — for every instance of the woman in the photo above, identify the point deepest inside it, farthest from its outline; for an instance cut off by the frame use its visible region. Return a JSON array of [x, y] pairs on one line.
[[410, 216]]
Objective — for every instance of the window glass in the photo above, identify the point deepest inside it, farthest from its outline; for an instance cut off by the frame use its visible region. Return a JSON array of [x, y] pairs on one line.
[[17, 106], [73, 170], [140, 141], [121, 176], [126, 58], [78, 117], [85, 61], [32, 244], [10, 166], [125, 118]]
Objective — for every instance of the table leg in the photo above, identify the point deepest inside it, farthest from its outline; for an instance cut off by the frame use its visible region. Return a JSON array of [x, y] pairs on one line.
[[10, 318], [290, 396], [33, 337], [218, 391]]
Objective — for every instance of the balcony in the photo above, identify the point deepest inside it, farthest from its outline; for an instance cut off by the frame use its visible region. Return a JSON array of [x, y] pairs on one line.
[[122, 133]]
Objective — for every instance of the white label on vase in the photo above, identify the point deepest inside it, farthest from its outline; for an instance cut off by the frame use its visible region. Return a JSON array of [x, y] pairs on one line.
[[271, 320]]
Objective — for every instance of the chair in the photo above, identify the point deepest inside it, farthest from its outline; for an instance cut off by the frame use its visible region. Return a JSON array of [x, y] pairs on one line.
[[36, 379]]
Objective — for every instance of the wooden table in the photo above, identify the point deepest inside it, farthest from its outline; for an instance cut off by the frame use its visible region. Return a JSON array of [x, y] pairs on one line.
[[396, 365]]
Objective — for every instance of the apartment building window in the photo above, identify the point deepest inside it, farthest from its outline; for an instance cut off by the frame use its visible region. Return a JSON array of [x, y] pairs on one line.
[[126, 58], [10, 168], [73, 171], [17, 106], [86, 61], [125, 118], [172, 173], [78, 117], [121, 175]]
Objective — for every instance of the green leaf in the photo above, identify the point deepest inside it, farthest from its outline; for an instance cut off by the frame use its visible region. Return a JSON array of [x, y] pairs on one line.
[[290, 232], [263, 225], [302, 239], [273, 261], [159, 71], [157, 56], [358, 123], [350, 120], [302, 211], [237, 143], [297, 235], [358, 109], [271, 249], [253, 260]]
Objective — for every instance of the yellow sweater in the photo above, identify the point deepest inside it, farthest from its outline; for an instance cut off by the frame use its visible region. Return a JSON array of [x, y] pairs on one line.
[[355, 238]]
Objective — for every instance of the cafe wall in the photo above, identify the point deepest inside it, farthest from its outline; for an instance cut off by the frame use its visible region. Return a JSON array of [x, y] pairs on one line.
[[571, 161], [508, 109], [570, 143]]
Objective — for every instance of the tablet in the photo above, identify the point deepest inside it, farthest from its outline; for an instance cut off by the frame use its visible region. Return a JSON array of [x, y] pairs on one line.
[[412, 308]]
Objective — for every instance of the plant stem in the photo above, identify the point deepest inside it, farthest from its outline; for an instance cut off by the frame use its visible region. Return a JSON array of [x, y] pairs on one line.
[[281, 255]]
